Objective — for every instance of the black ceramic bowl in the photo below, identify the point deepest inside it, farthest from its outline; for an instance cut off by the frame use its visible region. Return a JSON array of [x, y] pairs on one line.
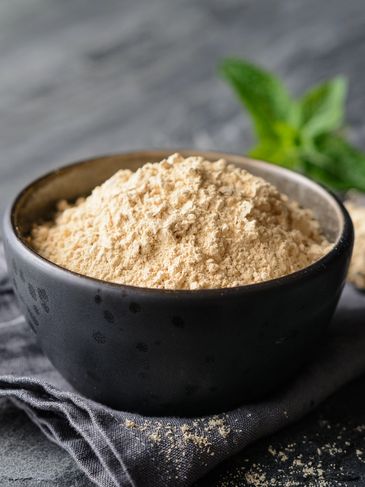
[[174, 352]]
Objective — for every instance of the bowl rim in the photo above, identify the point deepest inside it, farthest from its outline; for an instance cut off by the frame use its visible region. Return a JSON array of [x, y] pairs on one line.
[[344, 239]]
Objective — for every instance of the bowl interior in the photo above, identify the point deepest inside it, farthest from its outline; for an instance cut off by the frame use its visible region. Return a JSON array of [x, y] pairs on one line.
[[38, 200]]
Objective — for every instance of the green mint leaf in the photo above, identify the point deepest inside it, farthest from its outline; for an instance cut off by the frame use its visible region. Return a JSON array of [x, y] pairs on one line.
[[277, 154], [263, 95], [314, 166], [282, 150], [302, 135], [324, 177], [323, 107], [336, 163]]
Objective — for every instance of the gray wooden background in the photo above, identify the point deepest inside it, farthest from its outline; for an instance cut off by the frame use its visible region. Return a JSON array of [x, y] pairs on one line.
[[85, 77]]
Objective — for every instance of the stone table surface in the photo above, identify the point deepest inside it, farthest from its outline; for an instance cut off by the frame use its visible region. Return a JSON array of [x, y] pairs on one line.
[[86, 77]]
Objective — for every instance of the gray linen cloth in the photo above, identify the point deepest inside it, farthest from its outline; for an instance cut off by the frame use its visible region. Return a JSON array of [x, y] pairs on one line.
[[116, 448]]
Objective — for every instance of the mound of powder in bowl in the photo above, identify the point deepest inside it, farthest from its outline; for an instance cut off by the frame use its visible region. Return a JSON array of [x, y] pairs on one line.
[[182, 224]]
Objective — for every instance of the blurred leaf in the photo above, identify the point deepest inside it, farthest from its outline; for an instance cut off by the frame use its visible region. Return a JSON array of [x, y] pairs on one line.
[[263, 95], [313, 163], [282, 150], [322, 108], [279, 155], [302, 135], [342, 162]]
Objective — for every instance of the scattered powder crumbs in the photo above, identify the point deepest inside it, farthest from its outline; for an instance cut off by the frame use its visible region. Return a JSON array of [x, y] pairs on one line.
[[255, 478], [282, 456], [198, 439], [220, 425], [130, 424], [272, 451], [321, 463], [176, 437], [155, 437], [357, 267], [182, 223]]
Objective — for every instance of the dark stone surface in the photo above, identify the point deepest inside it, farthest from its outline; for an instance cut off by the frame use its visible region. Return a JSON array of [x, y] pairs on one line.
[[325, 449], [85, 77]]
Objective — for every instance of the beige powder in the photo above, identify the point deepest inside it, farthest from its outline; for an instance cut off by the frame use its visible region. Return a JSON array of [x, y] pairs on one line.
[[182, 224], [357, 267]]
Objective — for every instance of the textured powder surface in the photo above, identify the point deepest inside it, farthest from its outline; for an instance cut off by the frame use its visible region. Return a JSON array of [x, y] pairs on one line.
[[357, 267], [182, 224]]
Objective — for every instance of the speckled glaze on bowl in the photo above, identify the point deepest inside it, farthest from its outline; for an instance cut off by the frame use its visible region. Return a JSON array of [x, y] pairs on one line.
[[174, 352]]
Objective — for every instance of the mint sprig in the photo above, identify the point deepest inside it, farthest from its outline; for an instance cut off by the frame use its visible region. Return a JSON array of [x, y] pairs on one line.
[[304, 134]]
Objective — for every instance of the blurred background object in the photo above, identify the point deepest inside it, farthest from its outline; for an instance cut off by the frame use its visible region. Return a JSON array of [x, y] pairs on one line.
[[86, 77]]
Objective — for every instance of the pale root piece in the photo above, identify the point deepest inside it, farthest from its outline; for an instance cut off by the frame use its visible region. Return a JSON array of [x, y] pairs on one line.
[[182, 223], [356, 273]]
